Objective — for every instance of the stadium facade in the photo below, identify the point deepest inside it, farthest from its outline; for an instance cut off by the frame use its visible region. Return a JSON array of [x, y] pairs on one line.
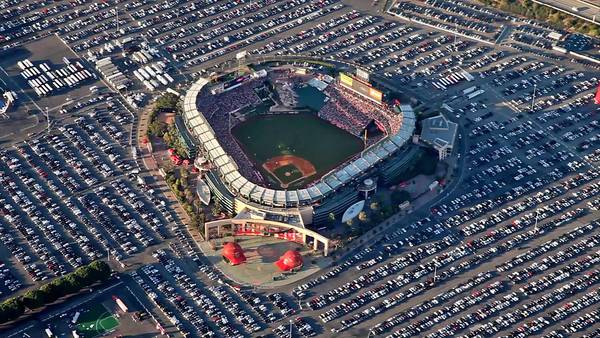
[[332, 193]]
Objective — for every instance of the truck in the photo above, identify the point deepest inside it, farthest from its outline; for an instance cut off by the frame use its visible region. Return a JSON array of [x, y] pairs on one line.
[[469, 90], [475, 94]]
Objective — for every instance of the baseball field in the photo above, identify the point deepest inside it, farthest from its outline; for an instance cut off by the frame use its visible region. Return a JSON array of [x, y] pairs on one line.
[[293, 150]]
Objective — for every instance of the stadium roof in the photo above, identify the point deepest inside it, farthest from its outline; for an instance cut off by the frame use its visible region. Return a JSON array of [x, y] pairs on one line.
[[439, 131], [201, 129]]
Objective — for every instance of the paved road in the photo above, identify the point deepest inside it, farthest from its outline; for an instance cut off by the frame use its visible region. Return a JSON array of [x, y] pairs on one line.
[[589, 9]]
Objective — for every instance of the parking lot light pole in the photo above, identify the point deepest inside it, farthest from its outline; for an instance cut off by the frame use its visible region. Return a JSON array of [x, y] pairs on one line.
[[434, 270], [291, 328], [47, 113], [537, 212], [533, 97]]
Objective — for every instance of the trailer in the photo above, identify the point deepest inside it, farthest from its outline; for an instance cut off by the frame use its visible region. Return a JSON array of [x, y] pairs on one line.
[[40, 91], [148, 85], [21, 65], [138, 76], [121, 304], [48, 87], [72, 68], [66, 61], [469, 90], [475, 94], [467, 76], [144, 74], [157, 69], [75, 317], [162, 80], [168, 77], [27, 63], [154, 83], [150, 71]]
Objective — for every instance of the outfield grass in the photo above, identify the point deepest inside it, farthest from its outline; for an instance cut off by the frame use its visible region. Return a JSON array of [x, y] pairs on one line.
[[96, 322], [302, 135]]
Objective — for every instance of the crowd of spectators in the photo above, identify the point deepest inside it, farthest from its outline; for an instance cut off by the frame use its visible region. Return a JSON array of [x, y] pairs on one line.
[[344, 109], [217, 110], [350, 112]]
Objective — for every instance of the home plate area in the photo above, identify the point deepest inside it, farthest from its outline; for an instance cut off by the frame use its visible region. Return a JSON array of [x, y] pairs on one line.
[[289, 169]]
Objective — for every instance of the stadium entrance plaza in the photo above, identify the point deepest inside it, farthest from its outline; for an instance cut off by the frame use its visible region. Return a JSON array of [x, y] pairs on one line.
[[261, 253]]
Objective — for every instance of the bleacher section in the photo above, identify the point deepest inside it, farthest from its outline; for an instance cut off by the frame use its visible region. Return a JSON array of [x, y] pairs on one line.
[[396, 165], [336, 205]]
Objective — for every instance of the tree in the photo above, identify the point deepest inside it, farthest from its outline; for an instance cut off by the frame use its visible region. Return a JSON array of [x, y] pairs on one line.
[[363, 217], [10, 309], [399, 197], [374, 206], [167, 101], [100, 270], [34, 299], [14, 307], [216, 209], [51, 292], [331, 217]]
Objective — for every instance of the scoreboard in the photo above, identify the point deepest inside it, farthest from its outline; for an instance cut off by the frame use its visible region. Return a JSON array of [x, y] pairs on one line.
[[361, 87]]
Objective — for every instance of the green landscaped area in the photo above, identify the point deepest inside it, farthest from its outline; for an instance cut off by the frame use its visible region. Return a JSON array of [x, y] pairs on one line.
[[96, 322], [303, 135]]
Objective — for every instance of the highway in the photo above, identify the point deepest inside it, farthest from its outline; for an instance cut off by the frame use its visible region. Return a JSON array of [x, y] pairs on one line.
[[586, 9]]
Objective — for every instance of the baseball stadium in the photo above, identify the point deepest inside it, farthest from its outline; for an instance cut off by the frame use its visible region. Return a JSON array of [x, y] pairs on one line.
[[283, 145]]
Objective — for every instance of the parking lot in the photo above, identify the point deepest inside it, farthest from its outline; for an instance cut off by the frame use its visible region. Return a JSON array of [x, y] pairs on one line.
[[510, 250]]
